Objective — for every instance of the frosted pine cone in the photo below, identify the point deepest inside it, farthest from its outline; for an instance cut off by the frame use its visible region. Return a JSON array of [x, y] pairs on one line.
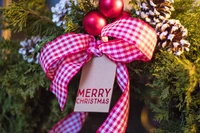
[[28, 49], [155, 11], [171, 36], [60, 10]]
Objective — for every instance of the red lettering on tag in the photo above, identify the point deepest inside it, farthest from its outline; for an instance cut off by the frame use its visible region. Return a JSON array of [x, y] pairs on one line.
[[107, 91], [87, 92], [101, 92], [80, 92], [94, 92]]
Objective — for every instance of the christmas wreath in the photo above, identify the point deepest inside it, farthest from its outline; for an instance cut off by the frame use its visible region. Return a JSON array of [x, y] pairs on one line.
[[168, 84]]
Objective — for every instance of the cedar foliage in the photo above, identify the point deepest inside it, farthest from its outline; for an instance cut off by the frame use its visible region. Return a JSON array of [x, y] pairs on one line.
[[172, 83], [169, 84]]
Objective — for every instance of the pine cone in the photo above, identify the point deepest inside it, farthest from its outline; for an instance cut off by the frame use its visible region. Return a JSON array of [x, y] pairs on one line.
[[60, 10], [171, 36], [155, 11], [28, 49]]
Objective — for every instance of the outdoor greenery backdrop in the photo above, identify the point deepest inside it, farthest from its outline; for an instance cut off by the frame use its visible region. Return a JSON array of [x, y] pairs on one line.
[[168, 84]]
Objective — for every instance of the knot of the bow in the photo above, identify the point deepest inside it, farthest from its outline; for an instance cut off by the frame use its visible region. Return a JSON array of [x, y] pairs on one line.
[[94, 48]]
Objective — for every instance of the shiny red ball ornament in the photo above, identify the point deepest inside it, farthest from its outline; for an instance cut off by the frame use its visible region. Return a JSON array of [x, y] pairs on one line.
[[111, 8], [93, 22], [124, 14]]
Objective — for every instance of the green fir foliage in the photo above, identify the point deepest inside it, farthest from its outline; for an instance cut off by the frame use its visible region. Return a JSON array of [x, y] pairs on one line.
[[173, 83], [170, 85], [175, 86], [26, 104], [188, 13], [30, 16], [176, 80]]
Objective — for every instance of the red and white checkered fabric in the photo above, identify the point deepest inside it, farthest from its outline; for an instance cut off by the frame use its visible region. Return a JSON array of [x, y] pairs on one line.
[[63, 57], [74, 122]]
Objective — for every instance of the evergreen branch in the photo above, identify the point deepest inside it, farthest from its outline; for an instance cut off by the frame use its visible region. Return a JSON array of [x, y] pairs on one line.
[[44, 18], [193, 79], [21, 17], [86, 6]]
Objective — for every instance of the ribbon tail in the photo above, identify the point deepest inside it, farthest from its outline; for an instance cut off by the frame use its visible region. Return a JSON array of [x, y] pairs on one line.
[[117, 119], [65, 72], [70, 124]]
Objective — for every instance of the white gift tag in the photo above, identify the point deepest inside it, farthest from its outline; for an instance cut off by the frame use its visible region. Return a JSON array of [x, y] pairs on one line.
[[96, 85]]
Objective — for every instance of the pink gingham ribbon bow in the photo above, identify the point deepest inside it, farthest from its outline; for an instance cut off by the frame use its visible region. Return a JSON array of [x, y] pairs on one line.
[[63, 57]]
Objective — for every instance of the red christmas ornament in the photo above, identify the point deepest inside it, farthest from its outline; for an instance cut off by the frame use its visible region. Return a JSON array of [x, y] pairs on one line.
[[124, 14], [111, 8], [93, 22]]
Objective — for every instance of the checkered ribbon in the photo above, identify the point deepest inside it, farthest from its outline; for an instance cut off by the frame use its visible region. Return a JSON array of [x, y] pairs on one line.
[[63, 57]]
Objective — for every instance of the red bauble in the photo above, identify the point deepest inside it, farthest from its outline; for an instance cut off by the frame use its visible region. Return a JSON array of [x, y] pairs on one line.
[[93, 22], [111, 8], [124, 14]]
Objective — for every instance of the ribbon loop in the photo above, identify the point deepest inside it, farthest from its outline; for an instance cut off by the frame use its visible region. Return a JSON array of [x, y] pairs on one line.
[[136, 32]]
